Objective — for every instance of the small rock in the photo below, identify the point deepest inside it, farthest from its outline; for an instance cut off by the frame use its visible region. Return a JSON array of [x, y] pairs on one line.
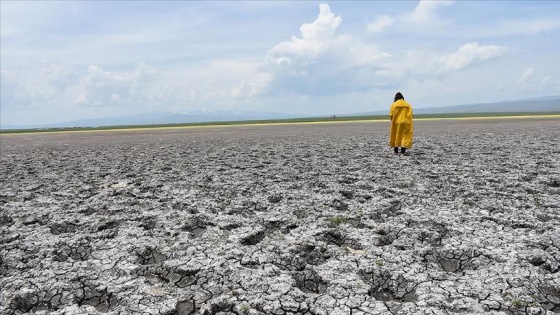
[[274, 198], [537, 260]]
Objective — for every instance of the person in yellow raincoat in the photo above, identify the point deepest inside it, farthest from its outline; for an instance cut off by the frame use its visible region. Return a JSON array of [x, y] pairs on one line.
[[401, 125]]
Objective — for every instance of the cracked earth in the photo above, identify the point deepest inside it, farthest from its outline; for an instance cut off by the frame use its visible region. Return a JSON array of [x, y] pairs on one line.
[[296, 219]]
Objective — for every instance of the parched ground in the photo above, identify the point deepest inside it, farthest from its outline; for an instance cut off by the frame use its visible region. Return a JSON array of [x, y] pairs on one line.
[[290, 219]]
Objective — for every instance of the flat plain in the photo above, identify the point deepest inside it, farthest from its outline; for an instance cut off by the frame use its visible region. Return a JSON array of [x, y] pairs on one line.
[[283, 219]]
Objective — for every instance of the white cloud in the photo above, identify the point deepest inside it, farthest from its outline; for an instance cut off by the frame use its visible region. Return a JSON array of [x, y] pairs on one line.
[[469, 54], [427, 65], [97, 86], [380, 24], [426, 10]]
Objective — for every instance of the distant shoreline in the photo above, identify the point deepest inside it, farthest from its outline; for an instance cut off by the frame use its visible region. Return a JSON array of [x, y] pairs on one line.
[[313, 120]]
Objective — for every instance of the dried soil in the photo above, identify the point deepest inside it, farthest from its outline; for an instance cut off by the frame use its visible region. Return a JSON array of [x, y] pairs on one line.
[[283, 219]]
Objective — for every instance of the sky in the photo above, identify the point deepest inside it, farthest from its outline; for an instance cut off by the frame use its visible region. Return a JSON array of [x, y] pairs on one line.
[[71, 60]]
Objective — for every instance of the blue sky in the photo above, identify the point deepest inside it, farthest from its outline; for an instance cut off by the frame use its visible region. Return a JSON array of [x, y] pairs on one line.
[[69, 60]]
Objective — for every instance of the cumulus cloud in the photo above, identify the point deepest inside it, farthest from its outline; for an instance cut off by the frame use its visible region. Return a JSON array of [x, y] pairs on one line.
[[380, 24], [100, 87], [319, 62], [60, 88], [35, 82], [324, 27]]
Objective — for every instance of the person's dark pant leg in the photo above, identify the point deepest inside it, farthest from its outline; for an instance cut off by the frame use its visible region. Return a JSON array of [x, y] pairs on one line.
[[396, 149], [403, 150]]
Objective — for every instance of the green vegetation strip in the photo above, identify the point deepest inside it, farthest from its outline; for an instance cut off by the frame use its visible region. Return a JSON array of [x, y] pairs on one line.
[[289, 121]]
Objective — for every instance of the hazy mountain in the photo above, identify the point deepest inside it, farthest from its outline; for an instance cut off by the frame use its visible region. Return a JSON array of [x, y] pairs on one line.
[[544, 104], [540, 104], [157, 118]]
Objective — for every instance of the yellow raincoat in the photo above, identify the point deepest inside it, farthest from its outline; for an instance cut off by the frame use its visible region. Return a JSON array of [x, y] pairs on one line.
[[401, 124]]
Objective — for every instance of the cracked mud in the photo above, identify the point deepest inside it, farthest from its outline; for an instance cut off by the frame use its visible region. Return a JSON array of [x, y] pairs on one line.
[[298, 219]]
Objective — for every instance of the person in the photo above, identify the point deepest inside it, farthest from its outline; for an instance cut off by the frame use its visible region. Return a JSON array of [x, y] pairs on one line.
[[401, 125]]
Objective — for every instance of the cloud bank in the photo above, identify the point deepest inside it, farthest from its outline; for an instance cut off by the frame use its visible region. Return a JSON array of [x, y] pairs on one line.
[[322, 62]]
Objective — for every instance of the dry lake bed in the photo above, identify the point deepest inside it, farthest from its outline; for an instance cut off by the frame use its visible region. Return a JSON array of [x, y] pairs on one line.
[[283, 219]]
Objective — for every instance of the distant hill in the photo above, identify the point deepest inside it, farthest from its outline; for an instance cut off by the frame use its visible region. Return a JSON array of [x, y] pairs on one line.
[[541, 104], [162, 118], [548, 104]]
